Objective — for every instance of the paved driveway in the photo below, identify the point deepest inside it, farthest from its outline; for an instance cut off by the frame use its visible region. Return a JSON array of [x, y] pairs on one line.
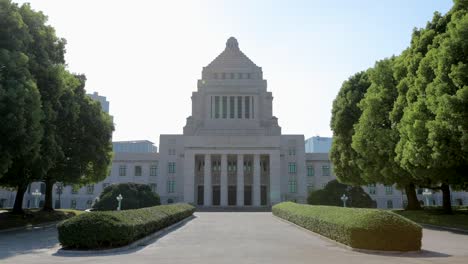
[[233, 238]]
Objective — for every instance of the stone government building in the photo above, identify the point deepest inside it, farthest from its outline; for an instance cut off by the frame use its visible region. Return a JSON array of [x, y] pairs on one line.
[[231, 152]]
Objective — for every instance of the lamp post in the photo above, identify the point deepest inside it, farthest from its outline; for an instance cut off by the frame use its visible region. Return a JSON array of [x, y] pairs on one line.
[[36, 194], [119, 198], [344, 198], [426, 195], [59, 187]]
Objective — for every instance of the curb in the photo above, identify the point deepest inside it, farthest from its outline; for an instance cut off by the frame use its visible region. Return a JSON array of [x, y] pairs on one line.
[[368, 251], [31, 227], [140, 242], [444, 228]]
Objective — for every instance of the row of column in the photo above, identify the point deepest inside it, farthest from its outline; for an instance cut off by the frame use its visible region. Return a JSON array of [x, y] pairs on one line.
[[208, 191], [242, 103]]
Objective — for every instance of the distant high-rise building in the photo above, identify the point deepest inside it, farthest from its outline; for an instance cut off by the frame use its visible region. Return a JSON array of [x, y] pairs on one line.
[[101, 99], [318, 144]]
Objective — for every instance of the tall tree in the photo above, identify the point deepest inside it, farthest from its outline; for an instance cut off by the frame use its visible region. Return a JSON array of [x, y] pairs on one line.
[[434, 131], [345, 114], [376, 136], [85, 134], [20, 105]]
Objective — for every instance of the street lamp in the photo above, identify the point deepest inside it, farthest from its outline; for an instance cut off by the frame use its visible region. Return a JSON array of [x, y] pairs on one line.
[[119, 198], [36, 194], [344, 198], [59, 187], [426, 195]]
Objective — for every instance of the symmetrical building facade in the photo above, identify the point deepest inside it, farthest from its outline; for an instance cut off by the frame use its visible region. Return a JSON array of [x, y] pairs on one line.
[[231, 152]]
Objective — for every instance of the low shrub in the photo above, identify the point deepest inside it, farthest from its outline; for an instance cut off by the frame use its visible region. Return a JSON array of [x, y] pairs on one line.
[[356, 227], [107, 229], [135, 195]]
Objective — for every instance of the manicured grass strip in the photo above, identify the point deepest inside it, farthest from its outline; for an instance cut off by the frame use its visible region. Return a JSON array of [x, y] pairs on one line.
[[360, 228], [109, 229], [459, 218], [34, 217]]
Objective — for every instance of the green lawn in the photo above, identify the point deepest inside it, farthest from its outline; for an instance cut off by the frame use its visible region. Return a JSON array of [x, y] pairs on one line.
[[459, 218], [34, 217]]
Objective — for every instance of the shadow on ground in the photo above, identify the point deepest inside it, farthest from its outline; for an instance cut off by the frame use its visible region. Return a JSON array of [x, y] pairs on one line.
[[31, 241]]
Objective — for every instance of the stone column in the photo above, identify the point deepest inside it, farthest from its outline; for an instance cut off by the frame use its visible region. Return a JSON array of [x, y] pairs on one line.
[[256, 180], [240, 180], [275, 183], [224, 182], [207, 189], [189, 177]]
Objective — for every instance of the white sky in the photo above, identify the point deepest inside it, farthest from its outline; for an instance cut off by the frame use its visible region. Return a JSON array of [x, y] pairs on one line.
[[146, 56]]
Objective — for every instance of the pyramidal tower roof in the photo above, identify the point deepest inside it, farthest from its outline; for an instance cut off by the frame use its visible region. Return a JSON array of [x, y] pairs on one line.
[[232, 59]]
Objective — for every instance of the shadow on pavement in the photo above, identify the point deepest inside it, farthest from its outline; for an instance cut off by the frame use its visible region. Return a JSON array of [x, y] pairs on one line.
[[31, 241], [124, 251], [421, 254]]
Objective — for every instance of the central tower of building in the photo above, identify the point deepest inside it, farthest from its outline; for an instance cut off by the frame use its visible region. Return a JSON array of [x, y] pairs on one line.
[[232, 98], [232, 152]]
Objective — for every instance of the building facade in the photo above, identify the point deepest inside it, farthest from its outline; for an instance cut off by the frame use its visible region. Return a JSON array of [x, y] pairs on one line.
[[231, 152]]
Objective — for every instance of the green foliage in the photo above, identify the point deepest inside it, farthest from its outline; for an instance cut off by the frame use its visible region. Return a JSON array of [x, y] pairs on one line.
[[118, 228], [331, 195], [345, 114], [358, 228], [135, 196], [431, 216]]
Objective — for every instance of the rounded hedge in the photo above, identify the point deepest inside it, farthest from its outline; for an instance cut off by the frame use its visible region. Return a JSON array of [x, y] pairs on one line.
[[360, 228], [98, 230], [331, 195], [134, 195]]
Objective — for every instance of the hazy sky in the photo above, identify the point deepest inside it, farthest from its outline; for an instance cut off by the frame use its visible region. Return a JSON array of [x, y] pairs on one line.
[[146, 56]]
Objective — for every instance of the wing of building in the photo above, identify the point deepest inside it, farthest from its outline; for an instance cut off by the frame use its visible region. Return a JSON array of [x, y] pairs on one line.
[[231, 151]]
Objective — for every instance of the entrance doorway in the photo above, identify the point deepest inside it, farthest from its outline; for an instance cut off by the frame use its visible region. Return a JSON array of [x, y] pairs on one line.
[[263, 196], [232, 195], [247, 195], [201, 197], [216, 195]]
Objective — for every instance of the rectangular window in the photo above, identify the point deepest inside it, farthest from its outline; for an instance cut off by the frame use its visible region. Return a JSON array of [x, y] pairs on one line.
[[325, 170], [292, 151], [73, 204], [224, 107], [389, 190], [310, 171], [292, 167], [89, 203], [211, 107], [43, 187], [75, 189], [310, 188], [231, 106], [123, 170], [372, 188], [252, 106], [154, 170], [292, 186], [170, 186], [239, 106], [216, 106], [90, 189], [138, 171], [153, 187], [171, 167], [247, 107]]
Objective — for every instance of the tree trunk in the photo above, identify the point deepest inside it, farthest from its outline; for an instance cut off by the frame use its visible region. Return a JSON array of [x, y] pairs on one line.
[[48, 195], [18, 206], [413, 203], [446, 200]]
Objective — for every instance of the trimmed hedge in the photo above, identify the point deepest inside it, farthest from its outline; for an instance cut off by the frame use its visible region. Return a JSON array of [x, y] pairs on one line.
[[108, 229], [356, 227]]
